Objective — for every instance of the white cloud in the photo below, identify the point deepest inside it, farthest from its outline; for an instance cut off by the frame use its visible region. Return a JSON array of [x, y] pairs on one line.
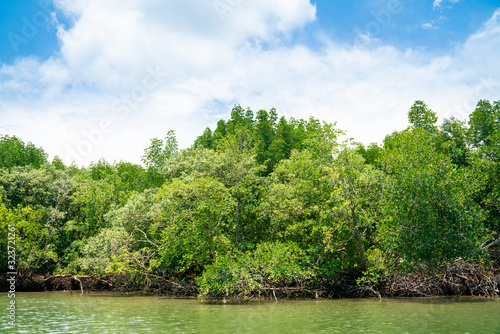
[[434, 24], [130, 71], [439, 3]]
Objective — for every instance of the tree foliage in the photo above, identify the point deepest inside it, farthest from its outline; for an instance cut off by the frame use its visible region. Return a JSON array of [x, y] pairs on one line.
[[430, 212], [421, 117], [14, 152], [262, 201]]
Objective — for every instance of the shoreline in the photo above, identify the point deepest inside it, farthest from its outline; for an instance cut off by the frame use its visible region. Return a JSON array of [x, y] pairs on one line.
[[466, 282]]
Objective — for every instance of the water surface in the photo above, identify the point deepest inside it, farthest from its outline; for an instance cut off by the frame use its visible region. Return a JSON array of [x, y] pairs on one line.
[[51, 312]]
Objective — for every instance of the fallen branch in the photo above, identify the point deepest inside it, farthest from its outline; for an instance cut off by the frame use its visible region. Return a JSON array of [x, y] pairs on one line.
[[493, 243]]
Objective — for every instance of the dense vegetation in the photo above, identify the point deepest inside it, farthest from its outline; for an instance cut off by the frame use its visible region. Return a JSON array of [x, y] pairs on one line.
[[262, 201]]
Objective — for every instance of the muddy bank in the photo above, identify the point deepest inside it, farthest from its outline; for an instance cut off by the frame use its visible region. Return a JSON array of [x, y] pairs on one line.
[[35, 283], [459, 279], [112, 283]]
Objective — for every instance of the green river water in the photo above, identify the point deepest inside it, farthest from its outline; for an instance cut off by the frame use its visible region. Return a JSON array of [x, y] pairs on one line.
[[76, 313]]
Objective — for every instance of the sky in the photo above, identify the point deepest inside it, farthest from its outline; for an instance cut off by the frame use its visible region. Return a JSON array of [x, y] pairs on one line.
[[91, 79]]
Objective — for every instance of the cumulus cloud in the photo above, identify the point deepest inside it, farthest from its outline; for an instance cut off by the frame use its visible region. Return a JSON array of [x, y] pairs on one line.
[[129, 71]]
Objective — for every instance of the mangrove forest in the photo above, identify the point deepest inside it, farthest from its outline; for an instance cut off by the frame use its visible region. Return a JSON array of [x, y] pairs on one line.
[[265, 206]]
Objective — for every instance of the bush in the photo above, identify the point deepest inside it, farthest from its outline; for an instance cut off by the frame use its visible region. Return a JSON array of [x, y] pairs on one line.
[[270, 264]]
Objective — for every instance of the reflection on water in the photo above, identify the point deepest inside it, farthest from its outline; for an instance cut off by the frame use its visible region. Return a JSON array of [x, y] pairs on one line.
[[75, 313]]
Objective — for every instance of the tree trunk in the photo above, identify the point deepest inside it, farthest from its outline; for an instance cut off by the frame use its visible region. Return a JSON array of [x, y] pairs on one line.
[[238, 232], [359, 243]]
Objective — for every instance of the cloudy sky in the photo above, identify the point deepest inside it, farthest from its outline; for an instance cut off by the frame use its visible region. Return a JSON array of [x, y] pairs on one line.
[[87, 79]]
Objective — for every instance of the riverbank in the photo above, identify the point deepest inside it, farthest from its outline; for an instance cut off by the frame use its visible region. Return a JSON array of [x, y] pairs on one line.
[[459, 279]]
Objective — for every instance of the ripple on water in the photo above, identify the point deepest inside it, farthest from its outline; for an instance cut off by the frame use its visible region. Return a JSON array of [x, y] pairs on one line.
[[75, 313]]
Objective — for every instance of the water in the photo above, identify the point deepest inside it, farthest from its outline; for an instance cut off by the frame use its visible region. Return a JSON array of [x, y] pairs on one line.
[[75, 313]]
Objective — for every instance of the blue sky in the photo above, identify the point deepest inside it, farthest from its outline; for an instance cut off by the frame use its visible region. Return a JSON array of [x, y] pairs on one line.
[[42, 42], [87, 79], [417, 24]]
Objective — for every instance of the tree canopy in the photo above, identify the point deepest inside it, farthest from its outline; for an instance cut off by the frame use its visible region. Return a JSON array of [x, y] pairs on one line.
[[262, 199]]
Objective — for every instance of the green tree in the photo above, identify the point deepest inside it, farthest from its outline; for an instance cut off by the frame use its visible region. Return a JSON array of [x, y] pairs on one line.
[[270, 264], [420, 116], [133, 177], [372, 154], [264, 134], [139, 220], [100, 252], [14, 152], [46, 190], [238, 170], [91, 200], [431, 216], [281, 145], [484, 124], [195, 224], [194, 162], [205, 140], [358, 199], [296, 199], [219, 133], [299, 206], [34, 248], [453, 141], [484, 137], [159, 152]]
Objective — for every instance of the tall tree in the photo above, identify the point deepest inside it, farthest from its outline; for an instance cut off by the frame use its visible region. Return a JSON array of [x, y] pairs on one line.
[[358, 199], [264, 133], [159, 152], [484, 136], [238, 170], [453, 141], [205, 140], [484, 122], [281, 146], [14, 152], [219, 133], [195, 224], [431, 215], [420, 116]]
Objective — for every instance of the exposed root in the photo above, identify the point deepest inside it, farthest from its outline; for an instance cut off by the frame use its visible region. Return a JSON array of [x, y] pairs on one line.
[[81, 285], [457, 279]]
